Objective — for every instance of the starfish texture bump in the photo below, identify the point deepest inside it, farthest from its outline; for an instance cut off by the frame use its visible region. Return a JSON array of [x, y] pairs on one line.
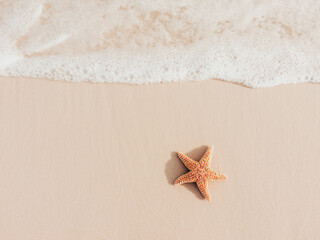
[[200, 172]]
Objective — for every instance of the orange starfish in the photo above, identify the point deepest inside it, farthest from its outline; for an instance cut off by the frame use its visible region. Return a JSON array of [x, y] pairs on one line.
[[200, 172]]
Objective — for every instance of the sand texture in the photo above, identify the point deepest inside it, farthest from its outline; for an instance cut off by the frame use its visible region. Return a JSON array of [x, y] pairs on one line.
[[81, 161]]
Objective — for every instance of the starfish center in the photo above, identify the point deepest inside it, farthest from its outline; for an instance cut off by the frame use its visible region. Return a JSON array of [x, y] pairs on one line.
[[202, 171]]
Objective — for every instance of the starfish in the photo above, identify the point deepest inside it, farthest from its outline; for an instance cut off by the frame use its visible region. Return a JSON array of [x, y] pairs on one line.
[[200, 172]]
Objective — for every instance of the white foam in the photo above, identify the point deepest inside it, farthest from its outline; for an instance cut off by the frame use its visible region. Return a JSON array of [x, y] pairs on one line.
[[258, 43]]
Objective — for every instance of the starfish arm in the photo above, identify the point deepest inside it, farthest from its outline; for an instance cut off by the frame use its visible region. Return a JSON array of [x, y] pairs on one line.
[[214, 176], [220, 177], [207, 156], [203, 187], [188, 162], [186, 178]]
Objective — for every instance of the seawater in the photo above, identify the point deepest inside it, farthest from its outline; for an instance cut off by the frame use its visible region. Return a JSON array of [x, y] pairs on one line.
[[257, 43]]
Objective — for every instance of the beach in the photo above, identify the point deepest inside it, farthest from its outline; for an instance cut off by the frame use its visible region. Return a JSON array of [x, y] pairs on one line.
[[98, 161]]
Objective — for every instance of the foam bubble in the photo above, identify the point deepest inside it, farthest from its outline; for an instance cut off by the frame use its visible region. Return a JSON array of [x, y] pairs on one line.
[[255, 43]]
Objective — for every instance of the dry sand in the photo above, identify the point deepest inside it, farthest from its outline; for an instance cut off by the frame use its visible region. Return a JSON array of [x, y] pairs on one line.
[[97, 161]]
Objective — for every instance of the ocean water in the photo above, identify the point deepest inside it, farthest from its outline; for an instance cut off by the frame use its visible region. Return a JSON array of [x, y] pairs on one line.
[[257, 43]]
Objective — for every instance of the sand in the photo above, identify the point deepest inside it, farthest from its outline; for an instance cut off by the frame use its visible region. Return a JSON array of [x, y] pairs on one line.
[[97, 161]]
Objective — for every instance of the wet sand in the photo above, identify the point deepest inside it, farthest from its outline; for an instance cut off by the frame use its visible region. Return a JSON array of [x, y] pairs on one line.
[[97, 161]]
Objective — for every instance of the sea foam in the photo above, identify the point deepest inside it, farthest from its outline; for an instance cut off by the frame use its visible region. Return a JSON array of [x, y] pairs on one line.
[[258, 43]]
